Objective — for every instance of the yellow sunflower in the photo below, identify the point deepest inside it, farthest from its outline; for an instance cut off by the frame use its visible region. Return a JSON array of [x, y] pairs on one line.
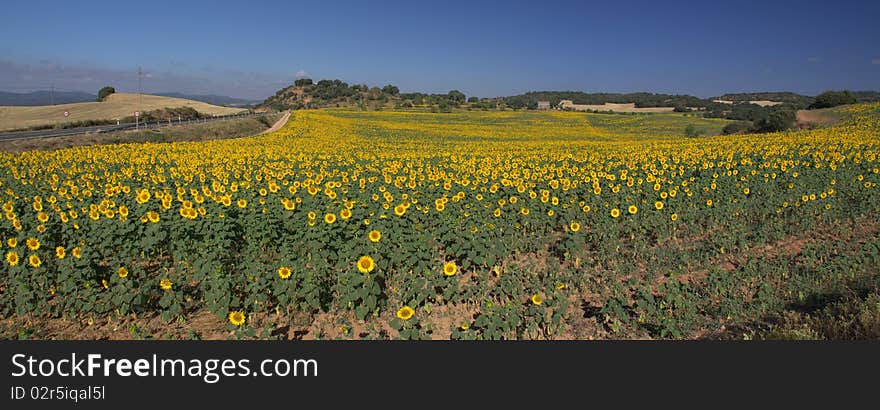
[[449, 269], [375, 235], [405, 313], [12, 258], [537, 299], [366, 264], [236, 318], [345, 214]]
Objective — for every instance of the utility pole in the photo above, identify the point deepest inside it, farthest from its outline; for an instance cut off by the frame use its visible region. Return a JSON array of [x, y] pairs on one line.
[[140, 88]]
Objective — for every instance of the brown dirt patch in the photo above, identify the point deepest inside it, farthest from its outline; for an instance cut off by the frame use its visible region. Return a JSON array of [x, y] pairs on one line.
[[813, 118]]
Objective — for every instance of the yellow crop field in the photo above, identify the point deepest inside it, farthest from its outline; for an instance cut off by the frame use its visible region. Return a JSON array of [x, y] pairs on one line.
[[480, 225]]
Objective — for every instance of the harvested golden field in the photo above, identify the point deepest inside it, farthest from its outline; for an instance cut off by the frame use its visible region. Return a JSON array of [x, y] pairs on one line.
[[116, 106]]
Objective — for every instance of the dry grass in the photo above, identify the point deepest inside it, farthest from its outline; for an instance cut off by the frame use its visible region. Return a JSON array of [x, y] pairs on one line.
[[116, 106], [229, 128], [819, 117]]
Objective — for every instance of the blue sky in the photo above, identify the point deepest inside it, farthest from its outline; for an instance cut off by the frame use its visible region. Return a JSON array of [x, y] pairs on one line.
[[487, 48]]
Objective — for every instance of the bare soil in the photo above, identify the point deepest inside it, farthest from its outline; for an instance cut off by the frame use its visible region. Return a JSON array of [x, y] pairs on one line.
[[813, 118]]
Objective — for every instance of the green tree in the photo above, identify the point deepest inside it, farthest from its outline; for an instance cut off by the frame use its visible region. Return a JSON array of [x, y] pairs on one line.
[[390, 90], [456, 97], [103, 93], [737, 127], [777, 120], [830, 99], [691, 131]]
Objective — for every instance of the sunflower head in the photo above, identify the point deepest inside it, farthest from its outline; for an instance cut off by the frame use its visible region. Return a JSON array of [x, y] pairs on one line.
[[153, 216], [284, 272], [12, 258], [449, 269], [236, 318], [366, 264], [405, 313], [399, 210], [375, 235], [537, 299]]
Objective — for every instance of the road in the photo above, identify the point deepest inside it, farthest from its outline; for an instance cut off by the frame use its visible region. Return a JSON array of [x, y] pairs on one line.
[[111, 127], [278, 124]]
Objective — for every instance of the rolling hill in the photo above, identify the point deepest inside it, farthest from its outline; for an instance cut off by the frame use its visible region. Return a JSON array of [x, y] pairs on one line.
[[118, 105], [212, 99]]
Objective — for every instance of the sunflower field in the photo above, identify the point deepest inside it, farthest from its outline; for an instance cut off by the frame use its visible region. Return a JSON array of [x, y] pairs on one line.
[[467, 225]]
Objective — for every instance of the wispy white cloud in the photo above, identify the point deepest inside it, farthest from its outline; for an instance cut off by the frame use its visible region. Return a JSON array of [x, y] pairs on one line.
[[301, 74], [875, 61]]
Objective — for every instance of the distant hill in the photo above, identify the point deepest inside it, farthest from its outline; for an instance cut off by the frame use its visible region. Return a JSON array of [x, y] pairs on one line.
[[44, 98], [866, 96], [116, 106], [641, 100], [305, 93], [212, 99], [795, 99]]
